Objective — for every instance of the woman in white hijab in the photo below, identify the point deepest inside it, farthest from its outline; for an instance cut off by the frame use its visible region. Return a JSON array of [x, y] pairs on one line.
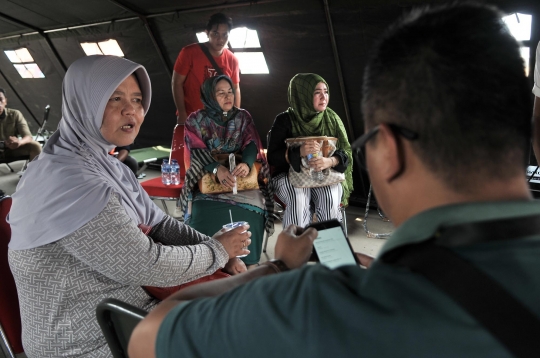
[[77, 213]]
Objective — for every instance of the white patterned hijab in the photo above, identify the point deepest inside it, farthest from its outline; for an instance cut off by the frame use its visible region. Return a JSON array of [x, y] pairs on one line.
[[72, 180]]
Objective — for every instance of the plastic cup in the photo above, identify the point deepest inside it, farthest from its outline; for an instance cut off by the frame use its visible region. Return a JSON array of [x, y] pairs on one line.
[[234, 225]]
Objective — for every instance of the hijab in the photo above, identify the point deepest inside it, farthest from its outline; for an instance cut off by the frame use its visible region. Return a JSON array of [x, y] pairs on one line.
[[306, 121], [73, 178], [211, 105]]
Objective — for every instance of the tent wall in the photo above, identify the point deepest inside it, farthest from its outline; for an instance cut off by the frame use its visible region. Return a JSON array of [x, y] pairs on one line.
[[294, 36]]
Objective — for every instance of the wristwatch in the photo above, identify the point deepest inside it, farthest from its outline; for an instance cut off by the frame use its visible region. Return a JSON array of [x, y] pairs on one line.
[[215, 169]]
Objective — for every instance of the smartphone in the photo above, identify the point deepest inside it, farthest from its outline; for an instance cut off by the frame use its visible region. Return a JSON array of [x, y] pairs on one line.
[[331, 247]]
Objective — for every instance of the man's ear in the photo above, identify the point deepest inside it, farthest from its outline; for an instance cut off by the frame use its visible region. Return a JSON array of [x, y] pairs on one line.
[[390, 161]]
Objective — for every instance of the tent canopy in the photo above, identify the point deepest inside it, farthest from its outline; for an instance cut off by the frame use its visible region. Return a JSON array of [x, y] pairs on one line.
[[329, 37]]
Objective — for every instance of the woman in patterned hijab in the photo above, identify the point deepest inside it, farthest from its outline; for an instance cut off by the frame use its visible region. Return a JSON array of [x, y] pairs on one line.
[[221, 128], [309, 115]]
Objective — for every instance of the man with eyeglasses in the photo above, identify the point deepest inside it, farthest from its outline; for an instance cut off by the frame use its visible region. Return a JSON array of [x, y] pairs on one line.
[[460, 275], [193, 66]]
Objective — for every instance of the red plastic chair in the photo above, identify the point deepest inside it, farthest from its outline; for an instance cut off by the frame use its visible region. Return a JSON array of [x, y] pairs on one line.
[[154, 187], [10, 319]]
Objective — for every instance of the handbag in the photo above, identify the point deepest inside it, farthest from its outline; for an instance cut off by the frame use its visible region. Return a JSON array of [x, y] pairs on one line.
[[305, 178], [208, 184]]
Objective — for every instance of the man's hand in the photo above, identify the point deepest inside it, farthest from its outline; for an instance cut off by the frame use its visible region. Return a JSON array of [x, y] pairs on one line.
[[13, 142], [181, 117], [177, 84], [235, 241], [365, 260], [294, 246], [235, 266]]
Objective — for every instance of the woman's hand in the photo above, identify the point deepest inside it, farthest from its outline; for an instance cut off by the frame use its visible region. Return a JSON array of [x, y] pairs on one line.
[[310, 147], [320, 163], [235, 241], [225, 177], [235, 266], [241, 170]]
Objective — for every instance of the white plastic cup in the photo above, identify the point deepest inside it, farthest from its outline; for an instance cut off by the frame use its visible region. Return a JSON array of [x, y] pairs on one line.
[[234, 225]]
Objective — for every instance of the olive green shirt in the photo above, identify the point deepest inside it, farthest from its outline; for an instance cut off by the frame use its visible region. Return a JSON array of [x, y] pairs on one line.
[[13, 124], [385, 311]]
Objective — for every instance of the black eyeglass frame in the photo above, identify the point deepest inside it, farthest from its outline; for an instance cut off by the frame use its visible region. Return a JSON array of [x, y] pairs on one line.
[[359, 144]]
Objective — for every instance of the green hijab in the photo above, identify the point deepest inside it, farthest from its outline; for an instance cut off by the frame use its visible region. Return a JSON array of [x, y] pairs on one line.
[[306, 121]]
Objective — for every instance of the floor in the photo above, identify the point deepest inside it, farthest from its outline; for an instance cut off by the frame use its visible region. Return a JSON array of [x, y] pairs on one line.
[[355, 216]]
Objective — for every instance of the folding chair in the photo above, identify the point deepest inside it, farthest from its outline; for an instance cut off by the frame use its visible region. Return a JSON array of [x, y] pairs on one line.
[[10, 319], [154, 187], [117, 320]]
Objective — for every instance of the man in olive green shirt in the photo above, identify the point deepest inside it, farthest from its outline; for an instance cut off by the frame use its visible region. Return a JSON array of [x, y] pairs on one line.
[[12, 126], [442, 151]]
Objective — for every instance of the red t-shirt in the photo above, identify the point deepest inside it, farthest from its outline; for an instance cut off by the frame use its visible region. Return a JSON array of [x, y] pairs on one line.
[[193, 63]]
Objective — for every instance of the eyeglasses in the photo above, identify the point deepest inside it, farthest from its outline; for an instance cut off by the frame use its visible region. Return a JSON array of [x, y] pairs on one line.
[[360, 143], [217, 35]]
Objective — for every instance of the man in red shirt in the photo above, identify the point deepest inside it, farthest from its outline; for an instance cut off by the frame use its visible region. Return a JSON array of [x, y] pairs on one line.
[[192, 67]]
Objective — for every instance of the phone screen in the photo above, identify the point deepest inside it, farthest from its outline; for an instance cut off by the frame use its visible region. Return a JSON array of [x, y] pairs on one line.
[[333, 248]]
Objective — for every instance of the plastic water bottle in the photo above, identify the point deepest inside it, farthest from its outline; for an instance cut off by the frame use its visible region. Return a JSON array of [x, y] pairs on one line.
[[175, 172], [317, 176], [166, 172]]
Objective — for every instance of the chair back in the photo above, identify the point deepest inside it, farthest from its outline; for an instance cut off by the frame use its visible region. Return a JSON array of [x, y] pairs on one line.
[[177, 149], [117, 320], [10, 318]]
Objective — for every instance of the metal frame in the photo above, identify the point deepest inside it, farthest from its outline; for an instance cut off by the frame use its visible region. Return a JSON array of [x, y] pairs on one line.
[[163, 201], [382, 216], [4, 345]]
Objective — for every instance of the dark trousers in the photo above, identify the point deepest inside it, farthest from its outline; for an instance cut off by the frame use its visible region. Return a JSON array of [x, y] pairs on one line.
[[131, 163]]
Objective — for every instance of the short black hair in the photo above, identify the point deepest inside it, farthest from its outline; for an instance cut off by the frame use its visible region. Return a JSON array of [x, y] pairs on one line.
[[217, 19], [454, 75], [3, 91]]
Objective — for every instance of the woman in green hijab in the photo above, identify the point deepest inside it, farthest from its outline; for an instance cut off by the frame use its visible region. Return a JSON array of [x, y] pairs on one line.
[[308, 115]]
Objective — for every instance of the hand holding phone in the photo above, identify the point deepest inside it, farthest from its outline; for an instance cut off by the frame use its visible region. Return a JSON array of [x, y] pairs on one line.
[[294, 246], [331, 246]]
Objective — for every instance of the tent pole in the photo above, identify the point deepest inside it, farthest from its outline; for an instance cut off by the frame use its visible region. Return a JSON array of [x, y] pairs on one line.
[[153, 38], [204, 8], [41, 33], [338, 69]]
